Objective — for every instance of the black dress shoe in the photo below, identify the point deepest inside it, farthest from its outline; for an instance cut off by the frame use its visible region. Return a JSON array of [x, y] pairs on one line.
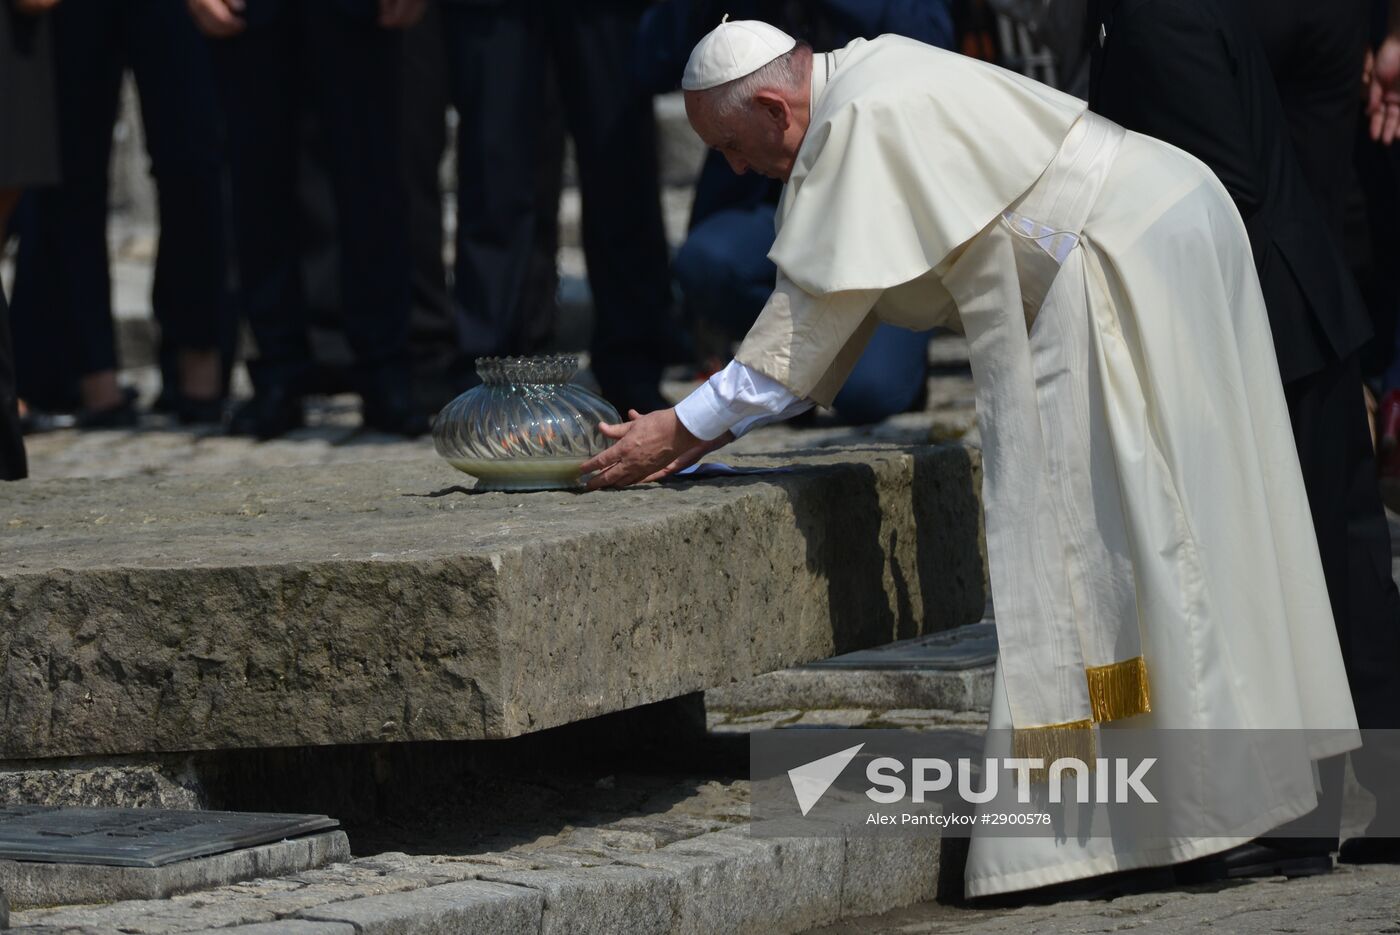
[[1370, 851], [269, 414], [394, 417], [167, 401], [388, 405], [1257, 859], [1105, 886], [190, 411]]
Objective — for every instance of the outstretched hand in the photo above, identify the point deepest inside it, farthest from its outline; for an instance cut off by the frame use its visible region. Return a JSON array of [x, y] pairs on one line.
[[648, 447], [1382, 80]]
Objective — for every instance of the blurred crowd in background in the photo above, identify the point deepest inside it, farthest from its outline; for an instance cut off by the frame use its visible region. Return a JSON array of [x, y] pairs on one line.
[[297, 147]]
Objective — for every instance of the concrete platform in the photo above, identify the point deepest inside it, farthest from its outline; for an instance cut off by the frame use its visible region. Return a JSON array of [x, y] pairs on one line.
[[384, 602]]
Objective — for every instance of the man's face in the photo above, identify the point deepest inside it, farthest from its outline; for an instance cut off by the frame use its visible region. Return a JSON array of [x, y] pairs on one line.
[[762, 136]]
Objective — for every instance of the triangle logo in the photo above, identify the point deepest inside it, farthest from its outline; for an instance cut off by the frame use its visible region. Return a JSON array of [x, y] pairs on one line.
[[811, 780]]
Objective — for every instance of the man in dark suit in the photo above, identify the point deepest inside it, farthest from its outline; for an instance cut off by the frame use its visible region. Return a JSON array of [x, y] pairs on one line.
[[344, 58], [1195, 74]]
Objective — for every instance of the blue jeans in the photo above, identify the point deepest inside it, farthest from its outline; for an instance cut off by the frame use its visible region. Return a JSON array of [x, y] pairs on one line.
[[725, 273]]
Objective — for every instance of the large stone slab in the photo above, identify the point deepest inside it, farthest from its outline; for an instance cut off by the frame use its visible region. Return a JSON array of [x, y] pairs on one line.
[[384, 602]]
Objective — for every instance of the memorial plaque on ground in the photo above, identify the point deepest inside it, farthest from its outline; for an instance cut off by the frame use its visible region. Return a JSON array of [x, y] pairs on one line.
[[965, 647], [140, 837]]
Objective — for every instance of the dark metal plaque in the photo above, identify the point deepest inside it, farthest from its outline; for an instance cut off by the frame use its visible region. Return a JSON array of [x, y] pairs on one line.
[[966, 647], [140, 837]]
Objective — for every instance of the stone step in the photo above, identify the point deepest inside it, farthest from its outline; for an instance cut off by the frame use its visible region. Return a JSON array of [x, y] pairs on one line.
[[722, 881], [929, 679], [384, 602]]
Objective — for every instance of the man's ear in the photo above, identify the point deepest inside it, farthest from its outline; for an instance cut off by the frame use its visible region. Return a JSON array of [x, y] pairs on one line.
[[775, 106]]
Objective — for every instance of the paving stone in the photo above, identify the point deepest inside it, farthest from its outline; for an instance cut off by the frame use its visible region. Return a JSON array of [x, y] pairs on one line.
[[766, 718], [731, 882], [884, 872], [840, 717], [286, 927], [617, 900], [259, 900], [1359, 901], [475, 907], [655, 831]]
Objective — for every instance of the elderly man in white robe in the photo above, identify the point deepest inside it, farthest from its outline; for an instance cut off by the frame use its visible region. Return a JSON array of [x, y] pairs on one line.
[[1152, 558]]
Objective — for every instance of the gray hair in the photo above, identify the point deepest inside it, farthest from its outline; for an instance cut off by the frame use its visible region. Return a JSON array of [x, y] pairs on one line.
[[784, 73]]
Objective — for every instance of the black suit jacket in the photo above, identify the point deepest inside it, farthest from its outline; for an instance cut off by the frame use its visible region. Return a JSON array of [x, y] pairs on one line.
[[1194, 74]]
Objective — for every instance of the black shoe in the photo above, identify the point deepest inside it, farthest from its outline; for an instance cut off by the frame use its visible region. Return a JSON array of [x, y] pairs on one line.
[[1106, 886], [388, 404], [1370, 851], [189, 411], [269, 414], [167, 401], [1257, 859], [121, 416], [394, 418]]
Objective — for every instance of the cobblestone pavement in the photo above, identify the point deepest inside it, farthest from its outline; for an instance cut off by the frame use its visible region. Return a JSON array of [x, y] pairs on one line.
[[1349, 900]]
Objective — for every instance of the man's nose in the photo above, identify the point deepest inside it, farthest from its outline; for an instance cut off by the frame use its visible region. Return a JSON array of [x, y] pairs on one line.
[[736, 163]]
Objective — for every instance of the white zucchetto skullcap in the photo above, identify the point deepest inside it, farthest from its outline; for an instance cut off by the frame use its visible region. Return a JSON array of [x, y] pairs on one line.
[[733, 50]]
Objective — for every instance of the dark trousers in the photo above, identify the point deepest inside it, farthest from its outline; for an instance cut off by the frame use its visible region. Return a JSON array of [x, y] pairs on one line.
[[312, 54], [62, 298], [494, 56], [432, 329], [13, 465], [441, 363], [1353, 537]]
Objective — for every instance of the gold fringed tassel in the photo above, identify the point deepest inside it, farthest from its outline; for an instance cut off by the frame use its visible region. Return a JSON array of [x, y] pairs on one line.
[[1118, 690], [1054, 742]]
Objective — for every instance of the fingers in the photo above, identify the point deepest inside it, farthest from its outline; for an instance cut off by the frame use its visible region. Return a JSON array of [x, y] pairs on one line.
[[602, 459], [617, 474], [1385, 118], [680, 464], [633, 415], [615, 431]]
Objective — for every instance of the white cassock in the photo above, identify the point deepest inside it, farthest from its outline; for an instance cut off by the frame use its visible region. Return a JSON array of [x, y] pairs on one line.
[[1152, 558]]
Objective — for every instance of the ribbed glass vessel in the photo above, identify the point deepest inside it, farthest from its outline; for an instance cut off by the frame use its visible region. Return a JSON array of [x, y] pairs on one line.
[[526, 427]]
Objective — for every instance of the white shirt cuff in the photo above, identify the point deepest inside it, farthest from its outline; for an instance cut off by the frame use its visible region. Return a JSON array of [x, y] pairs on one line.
[[704, 413], [736, 397]]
